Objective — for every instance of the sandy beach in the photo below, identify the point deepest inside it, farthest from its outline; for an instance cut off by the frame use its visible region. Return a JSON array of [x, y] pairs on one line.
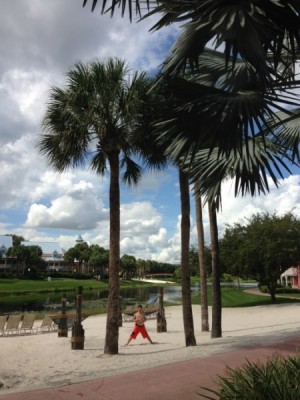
[[46, 360]]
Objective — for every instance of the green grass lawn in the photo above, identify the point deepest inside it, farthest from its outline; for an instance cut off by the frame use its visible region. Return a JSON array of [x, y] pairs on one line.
[[19, 286], [234, 297]]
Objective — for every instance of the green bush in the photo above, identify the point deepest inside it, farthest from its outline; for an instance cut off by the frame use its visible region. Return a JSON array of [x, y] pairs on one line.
[[227, 278], [278, 379], [264, 289]]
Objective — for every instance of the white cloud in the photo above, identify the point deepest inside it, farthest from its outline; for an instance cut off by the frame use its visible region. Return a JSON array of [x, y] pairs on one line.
[[279, 200], [80, 209], [28, 91]]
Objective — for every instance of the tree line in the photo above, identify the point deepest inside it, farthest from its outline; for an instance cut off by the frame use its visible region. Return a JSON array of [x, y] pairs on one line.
[[94, 256]]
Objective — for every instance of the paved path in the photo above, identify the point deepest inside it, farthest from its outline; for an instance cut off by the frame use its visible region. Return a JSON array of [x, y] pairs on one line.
[[178, 381]]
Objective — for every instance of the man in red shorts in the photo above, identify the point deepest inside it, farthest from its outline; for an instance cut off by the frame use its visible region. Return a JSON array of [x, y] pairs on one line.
[[139, 319]]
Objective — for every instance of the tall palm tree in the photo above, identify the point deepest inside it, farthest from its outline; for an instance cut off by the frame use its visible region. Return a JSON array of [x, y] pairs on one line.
[[216, 323], [241, 105], [202, 264], [94, 120], [188, 321]]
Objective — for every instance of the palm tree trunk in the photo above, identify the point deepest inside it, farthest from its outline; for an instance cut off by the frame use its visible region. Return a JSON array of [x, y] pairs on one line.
[[216, 329], [112, 322], [202, 266], [188, 322]]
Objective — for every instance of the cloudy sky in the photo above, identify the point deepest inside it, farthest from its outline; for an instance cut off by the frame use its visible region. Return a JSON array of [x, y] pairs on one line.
[[40, 41]]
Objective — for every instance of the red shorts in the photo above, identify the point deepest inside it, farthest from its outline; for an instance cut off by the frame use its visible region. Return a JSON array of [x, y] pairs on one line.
[[139, 329]]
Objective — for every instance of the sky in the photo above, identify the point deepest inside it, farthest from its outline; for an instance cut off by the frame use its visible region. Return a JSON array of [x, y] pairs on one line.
[[40, 41]]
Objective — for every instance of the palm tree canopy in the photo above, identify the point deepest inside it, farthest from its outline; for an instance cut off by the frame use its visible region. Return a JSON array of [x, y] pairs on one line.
[[221, 100], [216, 107], [222, 123], [249, 29], [99, 111]]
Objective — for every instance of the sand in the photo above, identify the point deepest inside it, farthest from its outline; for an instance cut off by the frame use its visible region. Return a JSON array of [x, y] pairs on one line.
[[45, 360]]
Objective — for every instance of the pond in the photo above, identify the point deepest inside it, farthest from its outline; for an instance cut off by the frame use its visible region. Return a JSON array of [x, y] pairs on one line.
[[50, 302], [94, 299]]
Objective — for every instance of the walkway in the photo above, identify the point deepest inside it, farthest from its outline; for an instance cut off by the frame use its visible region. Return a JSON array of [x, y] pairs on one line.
[[178, 381]]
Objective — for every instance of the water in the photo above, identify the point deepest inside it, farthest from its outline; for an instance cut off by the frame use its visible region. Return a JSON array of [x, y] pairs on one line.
[[51, 302], [97, 299]]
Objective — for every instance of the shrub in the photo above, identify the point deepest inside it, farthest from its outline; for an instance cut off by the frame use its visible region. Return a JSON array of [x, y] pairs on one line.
[[277, 379], [264, 289]]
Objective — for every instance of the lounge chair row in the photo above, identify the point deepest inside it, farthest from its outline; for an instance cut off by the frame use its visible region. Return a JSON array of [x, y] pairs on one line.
[[21, 324]]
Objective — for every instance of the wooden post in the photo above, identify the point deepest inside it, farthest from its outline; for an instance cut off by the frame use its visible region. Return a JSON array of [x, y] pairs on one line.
[[161, 320], [63, 321], [77, 339]]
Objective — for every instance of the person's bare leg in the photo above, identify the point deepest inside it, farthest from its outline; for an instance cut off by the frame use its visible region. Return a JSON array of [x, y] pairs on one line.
[[148, 337], [129, 340]]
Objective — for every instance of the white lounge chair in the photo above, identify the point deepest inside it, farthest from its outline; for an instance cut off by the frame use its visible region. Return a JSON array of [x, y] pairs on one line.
[[12, 325], [47, 325], [3, 319], [27, 324]]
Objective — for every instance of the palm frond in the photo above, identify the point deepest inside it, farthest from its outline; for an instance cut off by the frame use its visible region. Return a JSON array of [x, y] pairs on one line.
[[112, 5], [249, 167], [132, 172], [248, 30], [98, 162], [287, 130]]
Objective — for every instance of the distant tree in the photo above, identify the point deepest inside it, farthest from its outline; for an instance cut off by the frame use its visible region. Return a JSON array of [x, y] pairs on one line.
[[70, 255], [99, 260], [266, 246], [141, 267], [78, 255], [232, 250], [128, 266], [16, 239], [27, 256]]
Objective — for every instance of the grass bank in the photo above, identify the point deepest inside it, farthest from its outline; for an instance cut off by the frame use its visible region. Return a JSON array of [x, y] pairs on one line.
[[25, 286], [235, 297]]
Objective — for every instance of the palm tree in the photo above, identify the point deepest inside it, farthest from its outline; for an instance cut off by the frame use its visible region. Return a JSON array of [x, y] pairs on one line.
[[208, 156], [188, 322], [216, 323], [94, 120], [202, 265]]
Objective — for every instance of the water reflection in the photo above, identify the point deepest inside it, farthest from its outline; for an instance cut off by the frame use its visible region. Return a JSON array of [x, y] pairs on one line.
[[95, 298], [91, 299]]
